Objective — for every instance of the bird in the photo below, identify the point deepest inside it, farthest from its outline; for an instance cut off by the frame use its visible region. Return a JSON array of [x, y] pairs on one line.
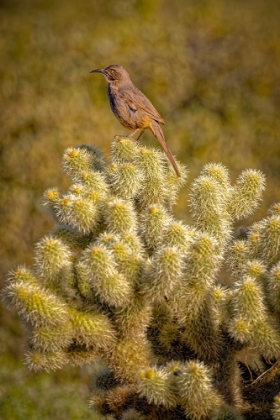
[[132, 108]]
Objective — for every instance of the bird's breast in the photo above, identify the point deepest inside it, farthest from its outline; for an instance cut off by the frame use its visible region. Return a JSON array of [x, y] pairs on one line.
[[129, 117]]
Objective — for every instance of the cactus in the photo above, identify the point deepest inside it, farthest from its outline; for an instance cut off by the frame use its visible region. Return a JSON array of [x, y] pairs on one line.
[[123, 285]]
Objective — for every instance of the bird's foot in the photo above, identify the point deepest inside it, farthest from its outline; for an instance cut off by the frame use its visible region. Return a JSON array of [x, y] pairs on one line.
[[119, 137], [131, 138]]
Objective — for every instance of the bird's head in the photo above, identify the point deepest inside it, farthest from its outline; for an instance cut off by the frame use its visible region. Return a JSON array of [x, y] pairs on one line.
[[114, 74]]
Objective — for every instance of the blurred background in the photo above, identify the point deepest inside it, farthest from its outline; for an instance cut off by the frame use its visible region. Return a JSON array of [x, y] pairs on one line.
[[211, 68]]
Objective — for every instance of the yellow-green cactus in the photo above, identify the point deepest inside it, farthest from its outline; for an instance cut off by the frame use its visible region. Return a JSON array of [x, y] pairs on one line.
[[120, 283]]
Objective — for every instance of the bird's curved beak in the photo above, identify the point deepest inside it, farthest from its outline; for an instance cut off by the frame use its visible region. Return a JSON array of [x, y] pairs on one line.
[[97, 71]]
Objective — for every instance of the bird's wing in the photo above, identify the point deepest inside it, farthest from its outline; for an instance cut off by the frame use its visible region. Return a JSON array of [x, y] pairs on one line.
[[136, 101]]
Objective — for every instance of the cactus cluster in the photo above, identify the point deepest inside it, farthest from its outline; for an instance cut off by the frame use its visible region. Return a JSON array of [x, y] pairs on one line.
[[120, 283]]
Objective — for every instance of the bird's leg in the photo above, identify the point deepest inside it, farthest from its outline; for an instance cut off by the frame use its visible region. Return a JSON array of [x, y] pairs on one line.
[[134, 132], [141, 132]]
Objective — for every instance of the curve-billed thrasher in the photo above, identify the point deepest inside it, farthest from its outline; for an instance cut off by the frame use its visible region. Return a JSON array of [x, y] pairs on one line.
[[132, 108]]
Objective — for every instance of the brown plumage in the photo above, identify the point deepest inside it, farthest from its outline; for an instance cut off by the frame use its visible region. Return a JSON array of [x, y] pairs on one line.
[[132, 108]]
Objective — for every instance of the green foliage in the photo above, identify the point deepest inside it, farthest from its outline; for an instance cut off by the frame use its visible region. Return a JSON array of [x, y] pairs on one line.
[[143, 292], [41, 396]]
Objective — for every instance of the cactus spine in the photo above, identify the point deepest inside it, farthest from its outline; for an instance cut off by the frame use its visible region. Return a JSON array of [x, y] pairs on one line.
[[120, 280]]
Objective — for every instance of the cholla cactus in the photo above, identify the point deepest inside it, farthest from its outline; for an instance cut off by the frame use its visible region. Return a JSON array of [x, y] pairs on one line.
[[123, 285]]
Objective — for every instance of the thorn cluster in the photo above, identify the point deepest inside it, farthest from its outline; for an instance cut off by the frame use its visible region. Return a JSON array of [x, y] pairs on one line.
[[120, 280]]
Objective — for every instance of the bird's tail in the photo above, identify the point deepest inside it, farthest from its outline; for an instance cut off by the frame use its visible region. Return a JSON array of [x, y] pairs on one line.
[[157, 132]]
